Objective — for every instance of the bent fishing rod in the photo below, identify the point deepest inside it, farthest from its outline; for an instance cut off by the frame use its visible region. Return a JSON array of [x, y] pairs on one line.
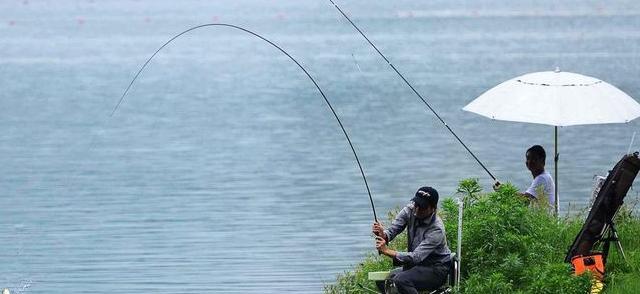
[[413, 89], [326, 100]]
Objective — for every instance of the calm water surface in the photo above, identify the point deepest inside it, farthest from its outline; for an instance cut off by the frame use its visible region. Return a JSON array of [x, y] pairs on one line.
[[224, 172]]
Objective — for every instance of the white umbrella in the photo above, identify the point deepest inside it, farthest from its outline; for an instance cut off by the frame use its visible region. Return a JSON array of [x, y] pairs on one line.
[[558, 99]]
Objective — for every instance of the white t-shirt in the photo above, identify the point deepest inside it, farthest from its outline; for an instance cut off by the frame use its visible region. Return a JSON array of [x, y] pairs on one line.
[[548, 187]]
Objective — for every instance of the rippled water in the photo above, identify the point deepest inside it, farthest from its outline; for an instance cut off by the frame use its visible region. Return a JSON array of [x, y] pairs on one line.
[[224, 172]]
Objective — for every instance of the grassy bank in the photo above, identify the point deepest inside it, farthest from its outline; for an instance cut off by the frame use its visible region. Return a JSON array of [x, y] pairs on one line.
[[509, 246]]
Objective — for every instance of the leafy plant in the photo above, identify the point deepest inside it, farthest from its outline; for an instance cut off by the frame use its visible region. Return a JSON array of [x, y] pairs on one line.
[[470, 189]]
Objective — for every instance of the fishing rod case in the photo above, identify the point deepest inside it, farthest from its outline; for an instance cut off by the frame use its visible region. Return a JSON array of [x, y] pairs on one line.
[[599, 228]]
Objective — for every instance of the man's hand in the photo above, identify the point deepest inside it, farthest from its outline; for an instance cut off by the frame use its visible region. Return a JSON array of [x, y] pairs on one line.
[[378, 229], [381, 244], [496, 185]]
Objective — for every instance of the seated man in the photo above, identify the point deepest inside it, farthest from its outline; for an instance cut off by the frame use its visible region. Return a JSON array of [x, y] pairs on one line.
[[427, 263]]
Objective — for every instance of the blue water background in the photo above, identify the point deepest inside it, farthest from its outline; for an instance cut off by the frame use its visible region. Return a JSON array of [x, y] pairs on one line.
[[224, 172]]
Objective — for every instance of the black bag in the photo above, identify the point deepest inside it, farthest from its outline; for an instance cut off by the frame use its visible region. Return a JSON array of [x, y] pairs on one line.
[[605, 206]]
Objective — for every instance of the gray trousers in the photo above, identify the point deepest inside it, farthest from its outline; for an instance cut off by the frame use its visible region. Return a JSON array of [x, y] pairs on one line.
[[417, 278]]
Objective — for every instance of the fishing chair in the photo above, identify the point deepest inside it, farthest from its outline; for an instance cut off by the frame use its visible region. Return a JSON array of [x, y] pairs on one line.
[[452, 277]]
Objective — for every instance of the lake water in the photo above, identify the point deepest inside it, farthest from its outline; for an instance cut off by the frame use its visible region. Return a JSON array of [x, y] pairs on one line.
[[224, 172]]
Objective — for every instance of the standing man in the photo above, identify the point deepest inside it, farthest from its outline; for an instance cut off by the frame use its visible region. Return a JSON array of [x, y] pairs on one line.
[[427, 262], [542, 188]]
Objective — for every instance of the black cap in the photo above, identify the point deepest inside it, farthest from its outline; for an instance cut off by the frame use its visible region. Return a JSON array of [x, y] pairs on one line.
[[426, 196]]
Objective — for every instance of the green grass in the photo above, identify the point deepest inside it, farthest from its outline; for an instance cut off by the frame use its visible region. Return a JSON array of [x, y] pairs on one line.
[[510, 246]]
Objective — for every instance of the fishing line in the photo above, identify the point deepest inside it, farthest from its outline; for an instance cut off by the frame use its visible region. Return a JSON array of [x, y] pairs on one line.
[[631, 143], [326, 100], [356, 62], [413, 89]]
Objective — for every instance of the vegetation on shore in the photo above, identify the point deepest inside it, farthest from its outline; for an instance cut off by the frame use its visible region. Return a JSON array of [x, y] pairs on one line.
[[510, 246]]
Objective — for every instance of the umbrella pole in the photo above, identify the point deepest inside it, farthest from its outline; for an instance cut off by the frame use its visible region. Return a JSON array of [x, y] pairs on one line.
[[555, 174]]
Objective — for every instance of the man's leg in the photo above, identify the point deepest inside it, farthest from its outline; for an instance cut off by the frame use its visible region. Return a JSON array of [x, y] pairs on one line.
[[381, 284], [421, 278]]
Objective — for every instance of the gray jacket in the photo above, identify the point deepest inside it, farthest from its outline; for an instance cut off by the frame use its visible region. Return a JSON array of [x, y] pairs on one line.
[[427, 241]]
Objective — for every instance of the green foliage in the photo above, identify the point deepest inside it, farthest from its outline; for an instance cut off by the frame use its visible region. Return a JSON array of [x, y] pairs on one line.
[[513, 246], [494, 283], [622, 276], [555, 278], [623, 283], [470, 189], [356, 281]]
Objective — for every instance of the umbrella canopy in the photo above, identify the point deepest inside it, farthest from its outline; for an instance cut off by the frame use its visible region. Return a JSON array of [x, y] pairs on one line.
[[556, 98]]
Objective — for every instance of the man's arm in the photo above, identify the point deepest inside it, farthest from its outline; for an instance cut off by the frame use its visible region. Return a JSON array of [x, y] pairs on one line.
[[527, 195], [424, 249], [381, 245], [536, 189], [398, 224]]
